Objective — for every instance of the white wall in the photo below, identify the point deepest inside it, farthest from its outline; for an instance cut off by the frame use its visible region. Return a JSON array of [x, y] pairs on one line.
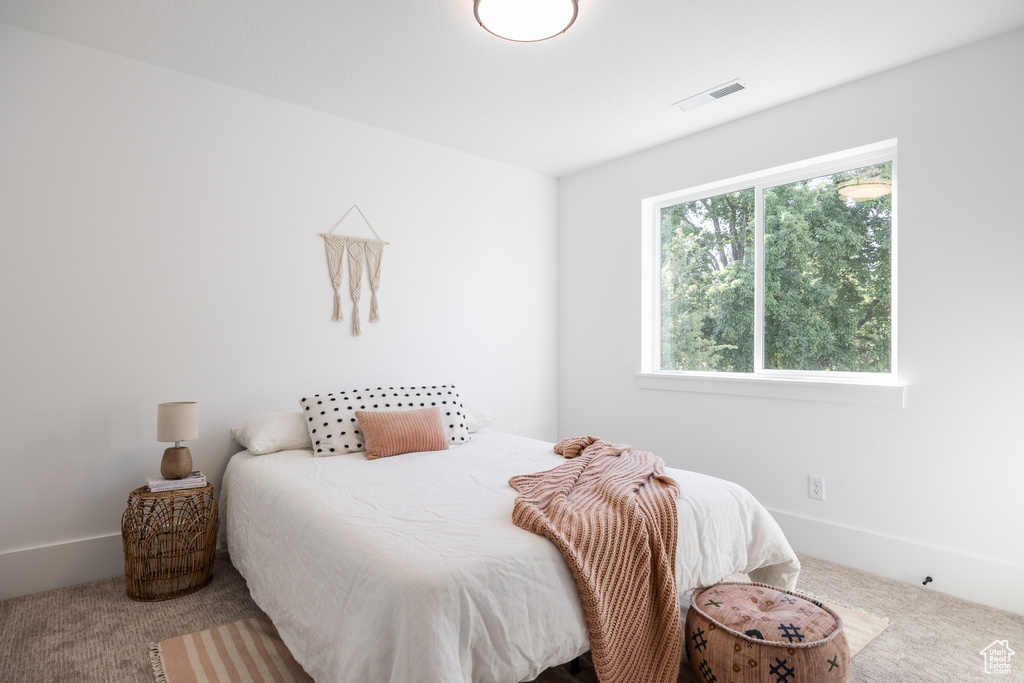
[[160, 243], [932, 488]]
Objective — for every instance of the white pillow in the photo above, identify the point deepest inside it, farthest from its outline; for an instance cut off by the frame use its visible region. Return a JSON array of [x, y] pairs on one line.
[[333, 428], [476, 417], [272, 433]]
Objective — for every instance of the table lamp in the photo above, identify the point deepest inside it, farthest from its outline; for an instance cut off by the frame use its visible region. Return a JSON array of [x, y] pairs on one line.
[[177, 422]]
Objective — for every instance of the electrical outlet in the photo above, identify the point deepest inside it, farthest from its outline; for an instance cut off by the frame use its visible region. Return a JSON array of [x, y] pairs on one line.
[[816, 487]]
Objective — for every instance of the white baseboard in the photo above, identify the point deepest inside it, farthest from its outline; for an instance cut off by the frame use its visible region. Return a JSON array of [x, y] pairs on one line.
[[979, 579], [971, 577], [62, 564]]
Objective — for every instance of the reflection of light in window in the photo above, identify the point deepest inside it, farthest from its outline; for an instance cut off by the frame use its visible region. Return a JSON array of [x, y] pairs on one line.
[[863, 189]]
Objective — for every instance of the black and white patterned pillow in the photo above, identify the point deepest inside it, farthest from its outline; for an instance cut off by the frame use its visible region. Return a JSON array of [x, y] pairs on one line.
[[334, 429]]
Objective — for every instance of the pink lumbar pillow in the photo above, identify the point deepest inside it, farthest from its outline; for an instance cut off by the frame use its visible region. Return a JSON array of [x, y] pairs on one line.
[[393, 432]]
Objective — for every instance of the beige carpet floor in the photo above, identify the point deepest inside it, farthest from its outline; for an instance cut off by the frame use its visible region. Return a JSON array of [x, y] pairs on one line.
[[93, 632]]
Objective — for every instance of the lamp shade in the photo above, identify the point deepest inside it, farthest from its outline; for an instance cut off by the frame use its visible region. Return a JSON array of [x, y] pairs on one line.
[[525, 21], [177, 421]]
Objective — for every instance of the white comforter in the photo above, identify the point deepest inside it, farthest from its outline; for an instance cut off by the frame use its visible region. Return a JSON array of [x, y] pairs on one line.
[[409, 568]]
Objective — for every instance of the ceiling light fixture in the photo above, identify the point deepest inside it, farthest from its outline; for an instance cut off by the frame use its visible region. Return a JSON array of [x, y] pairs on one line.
[[863, 189], [525, 21]]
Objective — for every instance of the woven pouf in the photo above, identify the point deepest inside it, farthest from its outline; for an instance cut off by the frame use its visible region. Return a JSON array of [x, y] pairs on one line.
[[753, 633]]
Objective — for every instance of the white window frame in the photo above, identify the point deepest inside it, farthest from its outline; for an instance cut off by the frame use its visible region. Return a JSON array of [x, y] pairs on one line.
[[862, 388]]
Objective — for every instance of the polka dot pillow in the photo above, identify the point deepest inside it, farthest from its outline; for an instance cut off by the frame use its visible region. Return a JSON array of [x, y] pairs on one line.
[[334, 429]]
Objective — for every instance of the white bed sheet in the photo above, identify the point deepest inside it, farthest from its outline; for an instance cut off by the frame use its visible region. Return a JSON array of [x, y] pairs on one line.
[[409, 568]]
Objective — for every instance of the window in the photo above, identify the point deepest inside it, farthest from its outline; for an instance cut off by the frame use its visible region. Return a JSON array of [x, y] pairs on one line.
[[707, 257], [787, 274]]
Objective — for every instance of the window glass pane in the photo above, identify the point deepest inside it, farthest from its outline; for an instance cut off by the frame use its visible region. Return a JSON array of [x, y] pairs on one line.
[[828, 276], [707, 284]]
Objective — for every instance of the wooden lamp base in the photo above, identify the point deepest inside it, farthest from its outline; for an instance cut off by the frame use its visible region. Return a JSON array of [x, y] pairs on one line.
[[177, 463]]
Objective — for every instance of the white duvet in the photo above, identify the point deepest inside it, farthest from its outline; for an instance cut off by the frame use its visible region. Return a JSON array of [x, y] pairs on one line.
[[409, 568]]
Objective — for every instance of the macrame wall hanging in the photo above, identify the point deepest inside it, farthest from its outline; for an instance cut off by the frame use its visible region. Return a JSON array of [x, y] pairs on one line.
[[358, 248]]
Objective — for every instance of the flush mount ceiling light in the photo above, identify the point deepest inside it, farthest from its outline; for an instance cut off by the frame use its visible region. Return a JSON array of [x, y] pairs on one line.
[[863, 189], [525, 21]]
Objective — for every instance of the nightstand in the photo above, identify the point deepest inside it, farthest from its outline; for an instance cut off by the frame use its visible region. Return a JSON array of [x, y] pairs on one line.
[[169, 541]]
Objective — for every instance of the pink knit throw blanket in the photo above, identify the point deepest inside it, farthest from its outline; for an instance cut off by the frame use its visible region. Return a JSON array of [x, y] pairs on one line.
[[611, 511]]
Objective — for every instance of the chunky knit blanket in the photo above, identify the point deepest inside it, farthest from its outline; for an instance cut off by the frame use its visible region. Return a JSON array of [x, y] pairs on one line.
[[611, 511]]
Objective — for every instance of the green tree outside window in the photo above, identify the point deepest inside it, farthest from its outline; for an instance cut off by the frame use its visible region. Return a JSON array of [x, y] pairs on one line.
[[827, 284]]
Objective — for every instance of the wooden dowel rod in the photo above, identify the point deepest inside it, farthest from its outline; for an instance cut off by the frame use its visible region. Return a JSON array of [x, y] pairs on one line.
[[324, 234]]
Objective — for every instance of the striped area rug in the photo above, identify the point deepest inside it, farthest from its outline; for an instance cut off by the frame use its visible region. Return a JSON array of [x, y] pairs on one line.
[[860, 627], [250, 651], [247, 651]]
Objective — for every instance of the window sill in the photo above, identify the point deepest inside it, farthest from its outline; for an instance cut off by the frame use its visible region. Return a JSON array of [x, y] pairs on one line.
[[850, 393]]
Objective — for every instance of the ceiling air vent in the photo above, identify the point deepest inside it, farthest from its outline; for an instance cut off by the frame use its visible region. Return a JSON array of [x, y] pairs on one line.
[[716, 93]]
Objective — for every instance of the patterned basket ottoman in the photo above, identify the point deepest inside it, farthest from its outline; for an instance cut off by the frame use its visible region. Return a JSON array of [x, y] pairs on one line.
[[754, 633]]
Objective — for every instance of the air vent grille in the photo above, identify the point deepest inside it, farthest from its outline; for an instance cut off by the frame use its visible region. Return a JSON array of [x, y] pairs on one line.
[[716, 93], [727, 90]]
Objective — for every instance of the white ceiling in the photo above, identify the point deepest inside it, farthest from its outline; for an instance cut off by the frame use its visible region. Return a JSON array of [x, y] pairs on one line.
[[424, 68]]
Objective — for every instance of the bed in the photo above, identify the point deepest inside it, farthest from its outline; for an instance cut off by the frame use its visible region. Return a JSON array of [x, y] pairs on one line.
[[409, 568]]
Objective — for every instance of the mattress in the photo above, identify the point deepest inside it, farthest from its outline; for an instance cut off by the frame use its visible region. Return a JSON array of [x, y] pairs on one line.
[[409, 568]]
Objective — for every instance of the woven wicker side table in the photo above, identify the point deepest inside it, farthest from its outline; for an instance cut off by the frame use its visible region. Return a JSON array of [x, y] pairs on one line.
[[169, 542]]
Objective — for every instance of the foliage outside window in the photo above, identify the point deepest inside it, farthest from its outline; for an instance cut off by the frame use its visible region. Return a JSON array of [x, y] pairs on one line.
[[707, 284], [783, 276]]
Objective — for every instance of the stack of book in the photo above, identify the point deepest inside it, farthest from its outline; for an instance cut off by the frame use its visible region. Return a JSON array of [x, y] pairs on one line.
[[193, 481]]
